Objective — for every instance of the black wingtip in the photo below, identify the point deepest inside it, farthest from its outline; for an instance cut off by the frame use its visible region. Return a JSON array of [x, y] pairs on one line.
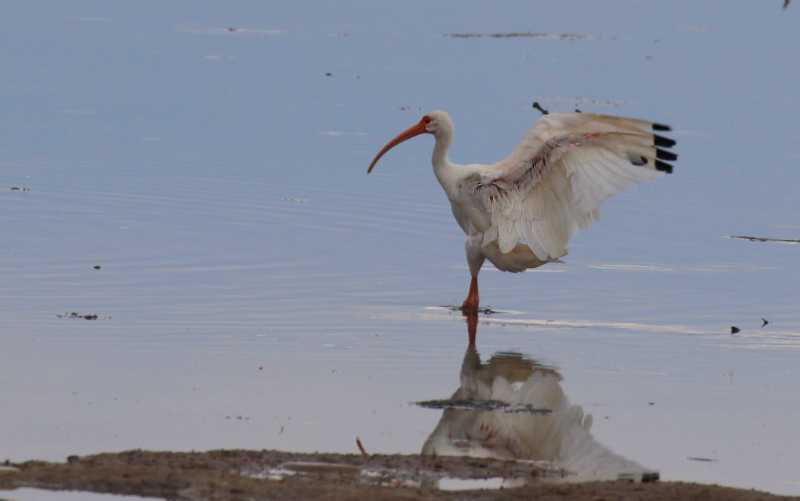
[[663, 142], [661, 127], [663, 167], [666, 155]]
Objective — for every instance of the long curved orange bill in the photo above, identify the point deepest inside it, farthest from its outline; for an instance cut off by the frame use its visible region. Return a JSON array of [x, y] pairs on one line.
[[413, 131]]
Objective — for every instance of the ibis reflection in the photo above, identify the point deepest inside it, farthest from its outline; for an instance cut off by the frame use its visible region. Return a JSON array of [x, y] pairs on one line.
[[512, 407]]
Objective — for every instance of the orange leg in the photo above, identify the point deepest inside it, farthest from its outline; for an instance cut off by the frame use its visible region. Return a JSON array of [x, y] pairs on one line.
[[471, 303]]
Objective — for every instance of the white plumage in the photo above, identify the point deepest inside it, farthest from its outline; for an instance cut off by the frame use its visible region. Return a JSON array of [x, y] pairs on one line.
[[521, 212]]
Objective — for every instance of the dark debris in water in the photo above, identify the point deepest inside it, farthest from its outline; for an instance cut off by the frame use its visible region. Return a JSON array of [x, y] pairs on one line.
[[764, 239], [705, 460], [77, 315], [485, 310], [482, 406], [735, 329]]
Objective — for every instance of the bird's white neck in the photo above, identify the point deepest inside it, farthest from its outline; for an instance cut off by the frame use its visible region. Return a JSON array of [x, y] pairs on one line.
[[442, 166]]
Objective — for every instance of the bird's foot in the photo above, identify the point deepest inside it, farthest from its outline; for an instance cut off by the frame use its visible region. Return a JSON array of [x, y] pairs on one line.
[[473, 300], [469, 307]]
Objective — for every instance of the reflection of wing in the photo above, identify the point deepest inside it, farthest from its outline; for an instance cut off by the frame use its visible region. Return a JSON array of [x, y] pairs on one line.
[[561, 437], [557, 178], [514, 367]]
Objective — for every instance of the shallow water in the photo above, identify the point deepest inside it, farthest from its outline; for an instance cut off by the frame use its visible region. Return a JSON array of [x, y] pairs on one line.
[[28, 494], [257, 289]]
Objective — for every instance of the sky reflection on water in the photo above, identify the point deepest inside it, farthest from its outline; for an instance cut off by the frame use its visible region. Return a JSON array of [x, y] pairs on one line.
[[257, 289]]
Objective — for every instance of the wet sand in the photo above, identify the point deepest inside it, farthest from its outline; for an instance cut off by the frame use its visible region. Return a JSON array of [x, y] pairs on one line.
[[241, 474]]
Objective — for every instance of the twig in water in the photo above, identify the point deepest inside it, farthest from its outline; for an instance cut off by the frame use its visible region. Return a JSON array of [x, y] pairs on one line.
[[361, 447]]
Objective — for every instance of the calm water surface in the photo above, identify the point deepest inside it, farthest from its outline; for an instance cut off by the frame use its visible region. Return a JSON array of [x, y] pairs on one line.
[[28, 494], [257, 289]]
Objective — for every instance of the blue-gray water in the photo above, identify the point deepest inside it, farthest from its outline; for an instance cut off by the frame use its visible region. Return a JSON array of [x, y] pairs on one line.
[[257, 289]]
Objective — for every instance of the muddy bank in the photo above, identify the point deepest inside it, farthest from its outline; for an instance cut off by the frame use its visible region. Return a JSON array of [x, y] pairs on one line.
[[274, 475]]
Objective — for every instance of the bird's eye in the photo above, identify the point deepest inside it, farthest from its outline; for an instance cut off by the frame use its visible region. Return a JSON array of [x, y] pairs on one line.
[[427, 120]]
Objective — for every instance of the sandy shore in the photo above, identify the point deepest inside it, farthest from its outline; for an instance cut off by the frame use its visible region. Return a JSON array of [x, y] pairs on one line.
[[275, 475]]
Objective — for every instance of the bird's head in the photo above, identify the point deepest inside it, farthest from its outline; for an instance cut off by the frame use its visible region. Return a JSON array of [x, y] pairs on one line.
[[436, 122]]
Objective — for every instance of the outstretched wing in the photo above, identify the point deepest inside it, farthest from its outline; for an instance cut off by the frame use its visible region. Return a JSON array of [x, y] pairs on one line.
[[556, 180]]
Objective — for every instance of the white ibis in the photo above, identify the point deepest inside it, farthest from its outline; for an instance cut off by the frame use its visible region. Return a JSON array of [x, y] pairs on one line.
[[521, 212]]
